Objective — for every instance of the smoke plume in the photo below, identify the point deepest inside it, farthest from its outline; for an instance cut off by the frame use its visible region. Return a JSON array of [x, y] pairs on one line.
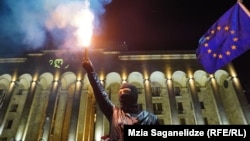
[[31, 24]]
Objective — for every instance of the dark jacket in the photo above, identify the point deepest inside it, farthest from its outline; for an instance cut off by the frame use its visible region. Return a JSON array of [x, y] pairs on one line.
[[118, 117]]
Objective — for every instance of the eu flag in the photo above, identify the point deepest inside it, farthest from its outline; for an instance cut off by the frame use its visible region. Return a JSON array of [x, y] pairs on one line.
[[226, 39]]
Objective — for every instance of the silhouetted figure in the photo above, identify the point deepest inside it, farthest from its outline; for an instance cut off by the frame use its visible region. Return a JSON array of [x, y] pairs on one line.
[[128, 113]]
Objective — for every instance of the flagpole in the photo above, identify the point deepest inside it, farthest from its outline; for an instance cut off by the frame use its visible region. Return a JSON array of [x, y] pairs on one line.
[[244, 8]]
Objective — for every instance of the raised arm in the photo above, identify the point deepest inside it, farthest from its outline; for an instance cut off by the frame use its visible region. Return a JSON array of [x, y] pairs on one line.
[[101, 96]]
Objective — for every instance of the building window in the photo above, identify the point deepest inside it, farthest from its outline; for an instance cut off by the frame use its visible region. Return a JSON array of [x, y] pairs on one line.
[[177, 91], [157, 107], [225, 84], [8, 124], [20, 92], [156, 91], [202, 105], [205, 121], [182, 121], [180, 108], [13, 108], [198, 89]]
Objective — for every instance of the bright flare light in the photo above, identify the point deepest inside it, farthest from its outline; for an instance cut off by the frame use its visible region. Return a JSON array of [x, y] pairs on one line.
[[85, 22]]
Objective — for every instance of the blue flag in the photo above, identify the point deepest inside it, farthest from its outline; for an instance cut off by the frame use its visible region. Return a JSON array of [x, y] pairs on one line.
[[226, 39]]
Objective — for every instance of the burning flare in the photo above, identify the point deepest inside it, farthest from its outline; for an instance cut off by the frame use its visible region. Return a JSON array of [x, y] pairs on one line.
[[78, 15], [85, 22]]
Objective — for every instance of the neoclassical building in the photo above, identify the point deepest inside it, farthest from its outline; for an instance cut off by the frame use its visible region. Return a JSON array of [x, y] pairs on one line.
[[46, 96]]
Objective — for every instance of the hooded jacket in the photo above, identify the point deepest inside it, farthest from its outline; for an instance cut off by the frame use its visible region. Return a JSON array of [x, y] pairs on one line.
[[119, 116]]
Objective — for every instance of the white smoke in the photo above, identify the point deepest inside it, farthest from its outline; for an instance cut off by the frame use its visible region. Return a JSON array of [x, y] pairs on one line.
[[29, 23]]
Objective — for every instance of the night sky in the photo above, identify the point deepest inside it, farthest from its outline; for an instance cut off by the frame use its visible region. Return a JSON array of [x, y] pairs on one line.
[[161, 24], [167, 25], [141, 24]]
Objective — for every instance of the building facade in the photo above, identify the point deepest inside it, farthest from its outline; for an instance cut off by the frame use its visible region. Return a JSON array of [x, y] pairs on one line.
[[46, 96]]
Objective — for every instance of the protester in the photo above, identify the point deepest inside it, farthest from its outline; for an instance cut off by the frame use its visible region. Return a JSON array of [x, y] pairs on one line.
[[128, 113]]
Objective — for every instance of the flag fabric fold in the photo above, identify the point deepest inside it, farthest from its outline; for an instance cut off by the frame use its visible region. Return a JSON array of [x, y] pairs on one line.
[[226, 39]]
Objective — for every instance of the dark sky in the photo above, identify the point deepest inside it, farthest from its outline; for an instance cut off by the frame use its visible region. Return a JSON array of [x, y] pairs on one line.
[[161, 24], [142, 24], [167, 25]]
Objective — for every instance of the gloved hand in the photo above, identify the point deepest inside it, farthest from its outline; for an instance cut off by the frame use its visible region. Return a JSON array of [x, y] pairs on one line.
[[88, 66]]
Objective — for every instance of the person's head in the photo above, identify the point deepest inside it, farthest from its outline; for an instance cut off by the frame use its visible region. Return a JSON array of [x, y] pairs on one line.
[[128, 95]]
